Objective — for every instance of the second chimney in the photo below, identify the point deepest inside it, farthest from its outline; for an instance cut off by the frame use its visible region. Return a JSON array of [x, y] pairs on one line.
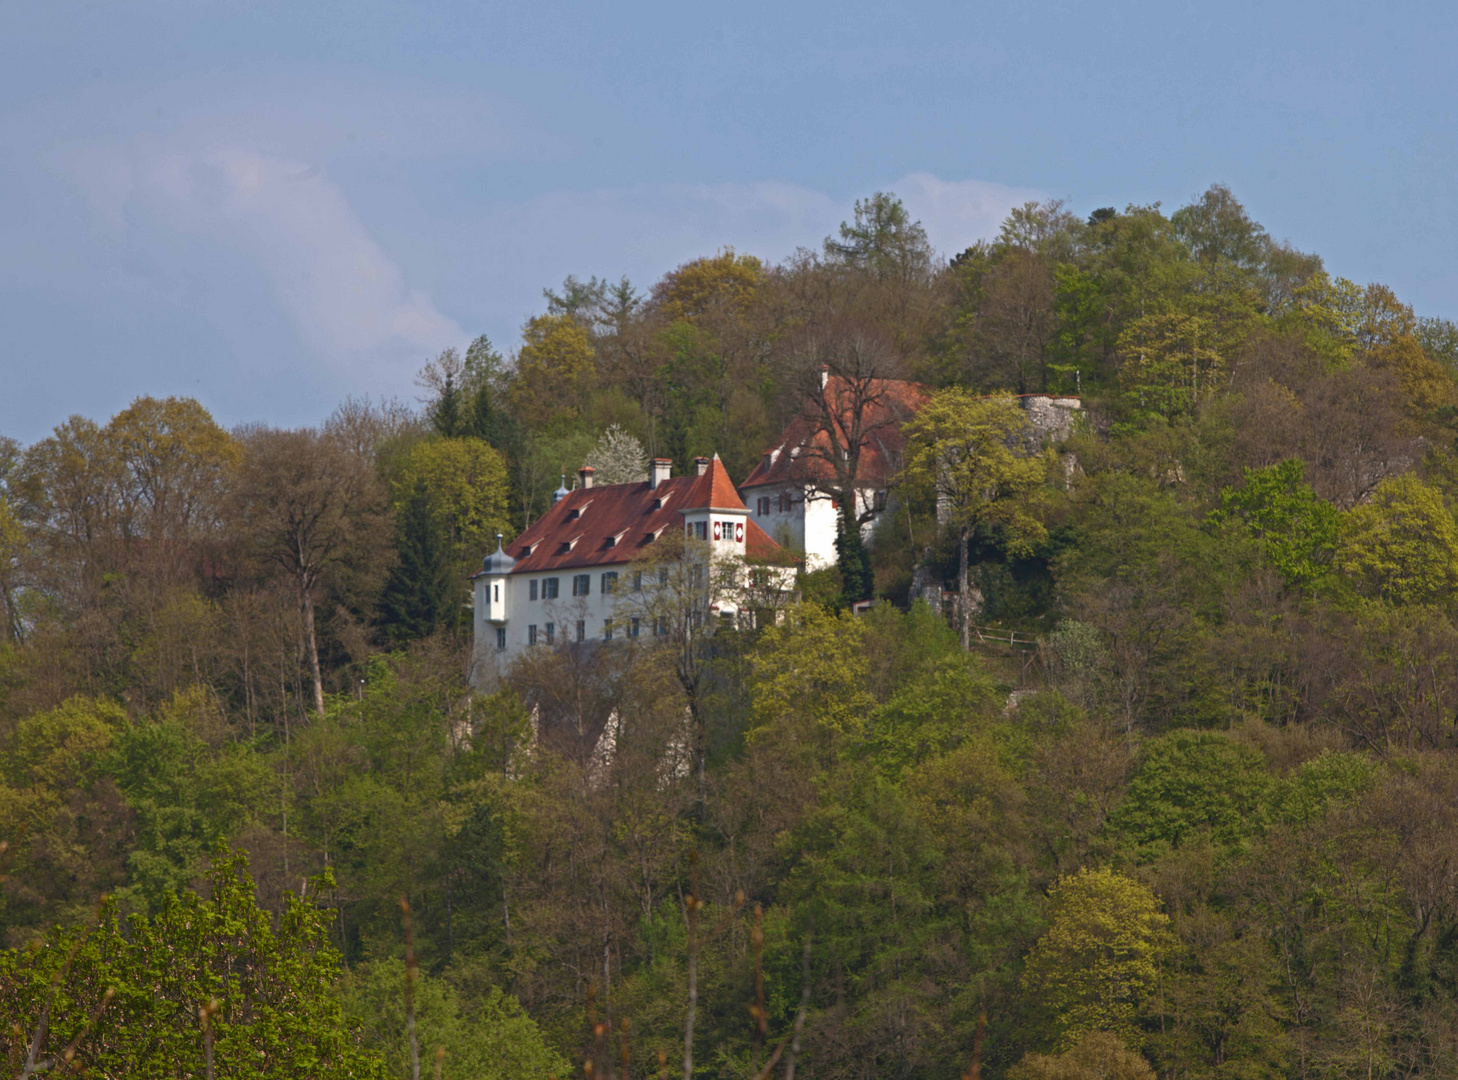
[[658, 471], [701, 466], [585, 474]]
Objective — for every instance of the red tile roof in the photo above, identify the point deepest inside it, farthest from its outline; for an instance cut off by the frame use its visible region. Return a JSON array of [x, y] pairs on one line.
[[615, 524], [801, 455], [759, 547]]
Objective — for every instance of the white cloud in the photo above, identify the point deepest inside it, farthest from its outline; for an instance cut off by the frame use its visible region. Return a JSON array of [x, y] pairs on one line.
[[368, 222], [348, 300]]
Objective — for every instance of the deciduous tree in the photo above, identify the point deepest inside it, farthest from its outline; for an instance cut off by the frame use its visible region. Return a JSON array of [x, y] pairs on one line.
[[1403, 544], [309, 506], [1099, 959], [555, 369], [969, 452]]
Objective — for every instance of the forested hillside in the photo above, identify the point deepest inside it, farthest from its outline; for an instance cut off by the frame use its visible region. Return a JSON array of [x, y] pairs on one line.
[[1187, 807]]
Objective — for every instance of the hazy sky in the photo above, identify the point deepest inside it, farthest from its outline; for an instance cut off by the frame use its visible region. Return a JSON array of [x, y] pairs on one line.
[[269, 206]]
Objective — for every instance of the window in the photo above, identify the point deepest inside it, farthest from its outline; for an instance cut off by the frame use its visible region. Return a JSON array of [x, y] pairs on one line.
[[633, 628], [609, 582], [501, 638], [607, 629], [581, 585], [880, 501], [762, 505], [533, 588], [637, 581], [581, 630], [532, 633], [784, 502], [701, 529], [551, 633], [660, 626], [663, 575], [549, 589]]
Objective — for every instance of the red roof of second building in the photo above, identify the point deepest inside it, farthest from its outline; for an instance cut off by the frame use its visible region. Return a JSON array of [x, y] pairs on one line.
[[616, 523], [801, 455]]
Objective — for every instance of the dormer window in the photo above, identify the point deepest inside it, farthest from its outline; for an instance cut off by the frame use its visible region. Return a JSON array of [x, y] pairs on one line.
[[568, 545], [613, 541], [576, 511], [662, 501]]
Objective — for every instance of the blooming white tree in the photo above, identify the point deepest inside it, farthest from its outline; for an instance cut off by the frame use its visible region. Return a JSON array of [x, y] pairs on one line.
[[618, 458]]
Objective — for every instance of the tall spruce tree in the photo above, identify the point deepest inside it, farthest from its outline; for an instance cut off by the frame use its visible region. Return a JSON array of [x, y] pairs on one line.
[[417, 595]]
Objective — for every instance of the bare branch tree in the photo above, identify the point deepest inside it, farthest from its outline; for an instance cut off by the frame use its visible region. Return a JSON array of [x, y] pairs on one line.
[[308, 504], [854, 406]]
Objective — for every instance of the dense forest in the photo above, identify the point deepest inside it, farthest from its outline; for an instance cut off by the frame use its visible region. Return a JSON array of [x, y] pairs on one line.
[[1186, 807]]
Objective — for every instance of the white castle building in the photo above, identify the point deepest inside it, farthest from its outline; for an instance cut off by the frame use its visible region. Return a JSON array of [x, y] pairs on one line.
[[791, 489], [573, 576]]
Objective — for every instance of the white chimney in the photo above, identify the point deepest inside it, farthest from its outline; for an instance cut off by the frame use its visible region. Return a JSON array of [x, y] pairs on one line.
[[701, 466], [658, 471], [585, 474]]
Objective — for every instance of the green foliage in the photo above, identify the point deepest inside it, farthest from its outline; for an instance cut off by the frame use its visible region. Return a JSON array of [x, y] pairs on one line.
[[554, 370], [276, 1015], [418, 595], [862, 867], [1402, 545], [187, 799], [966, 450], [1334, 778], [465, 487], [1440, 338], [933, 695], [485, 1036], [853, 561], [1097, 1055], [1169, 366], [1194, 784], [1298, 532], [810, 677], [1099, 961], [58, 807], [882, 239], [707, 287]]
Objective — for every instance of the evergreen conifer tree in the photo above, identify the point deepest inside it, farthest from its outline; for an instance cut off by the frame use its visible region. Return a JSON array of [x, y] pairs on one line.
[[856, 578], [417, 594]]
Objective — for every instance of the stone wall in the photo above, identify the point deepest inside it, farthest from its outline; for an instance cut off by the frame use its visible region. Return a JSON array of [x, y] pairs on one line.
[[1050, 419]]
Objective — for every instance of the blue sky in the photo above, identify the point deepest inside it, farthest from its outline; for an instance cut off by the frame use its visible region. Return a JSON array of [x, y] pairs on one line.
[[270, 206]]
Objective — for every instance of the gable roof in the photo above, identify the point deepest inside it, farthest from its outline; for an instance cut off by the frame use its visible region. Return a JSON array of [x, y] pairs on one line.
[[800, 456], [615, 524]]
